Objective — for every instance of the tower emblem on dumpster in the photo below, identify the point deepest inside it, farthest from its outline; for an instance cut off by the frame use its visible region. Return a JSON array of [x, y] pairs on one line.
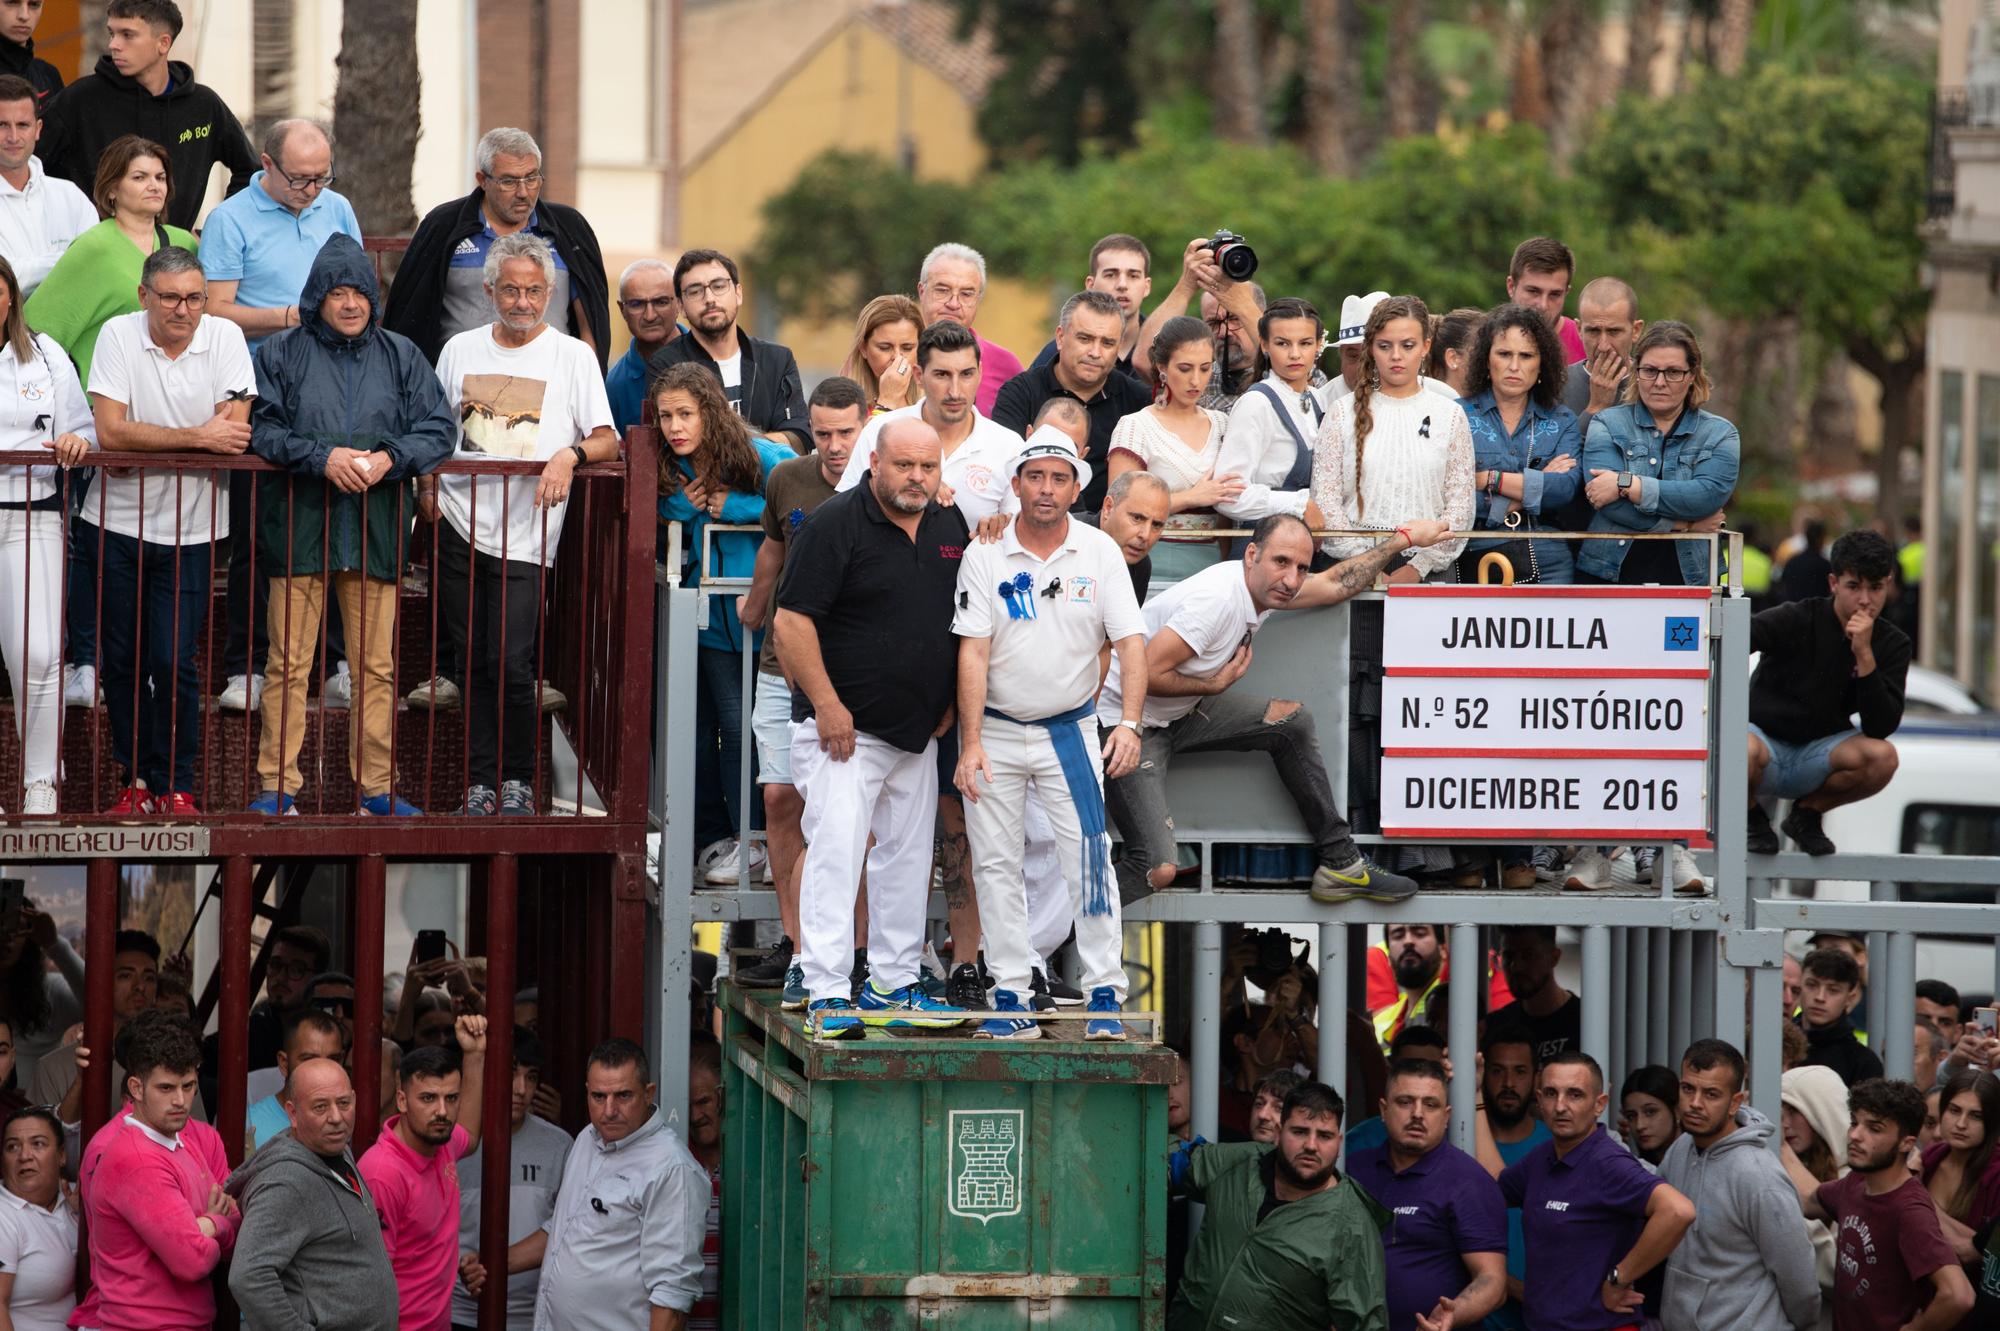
[[984, 1172]]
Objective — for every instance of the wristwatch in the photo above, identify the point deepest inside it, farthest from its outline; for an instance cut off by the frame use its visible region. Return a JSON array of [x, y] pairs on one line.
[[1613, 1280], [1134, 725], [581, 456], [1624, 481]]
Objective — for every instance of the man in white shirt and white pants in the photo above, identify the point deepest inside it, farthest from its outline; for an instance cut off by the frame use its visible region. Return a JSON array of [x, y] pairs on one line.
[[1035, 609]]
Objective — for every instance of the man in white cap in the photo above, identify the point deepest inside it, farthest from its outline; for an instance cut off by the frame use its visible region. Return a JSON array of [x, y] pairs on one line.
[[1350, 341], [1034, 610]]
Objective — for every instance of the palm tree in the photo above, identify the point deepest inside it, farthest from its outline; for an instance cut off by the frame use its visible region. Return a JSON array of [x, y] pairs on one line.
[[375, 111], [1239, 92], [1329, 79]]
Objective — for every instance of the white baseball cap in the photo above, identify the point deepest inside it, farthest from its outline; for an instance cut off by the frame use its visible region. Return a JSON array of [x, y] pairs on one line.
[[1354, 312], [1049, 442]]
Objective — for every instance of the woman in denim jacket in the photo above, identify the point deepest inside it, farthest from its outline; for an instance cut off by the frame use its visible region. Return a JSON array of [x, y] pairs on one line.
[[1524, 440], [1658, 463]]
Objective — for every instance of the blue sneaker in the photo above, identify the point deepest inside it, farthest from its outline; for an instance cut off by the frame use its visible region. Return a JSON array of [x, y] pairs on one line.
[[1008, 1028], [794, 997], [1102, 999], [832, 1026], [388, 806], [274, 804], [906, 1008]]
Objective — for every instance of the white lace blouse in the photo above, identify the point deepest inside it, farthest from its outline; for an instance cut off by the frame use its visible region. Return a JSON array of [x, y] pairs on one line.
[[1417, 463], [1168, 457]]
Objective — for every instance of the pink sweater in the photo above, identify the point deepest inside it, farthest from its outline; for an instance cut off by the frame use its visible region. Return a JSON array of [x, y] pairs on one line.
[[149, 1261]]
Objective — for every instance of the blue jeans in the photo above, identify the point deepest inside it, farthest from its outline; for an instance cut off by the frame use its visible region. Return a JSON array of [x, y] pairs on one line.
[[154, 605], [718, 762]]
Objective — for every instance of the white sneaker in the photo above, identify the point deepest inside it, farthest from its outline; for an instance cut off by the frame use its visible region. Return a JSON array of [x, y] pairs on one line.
[[551, 697], [727, 871], [1589, 871], [338, 691], [712, 854], [39, 799], [438, 692], [244, 693], [1686, 878], [80, 687]]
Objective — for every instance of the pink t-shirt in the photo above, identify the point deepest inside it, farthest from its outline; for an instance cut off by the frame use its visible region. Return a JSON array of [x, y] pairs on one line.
[[1572, 339], [417, 1198], [996, 366], [149, 1262]]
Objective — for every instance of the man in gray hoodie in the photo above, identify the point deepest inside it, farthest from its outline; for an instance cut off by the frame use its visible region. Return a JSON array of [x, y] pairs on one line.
[[309, 1255], [1747, 1264]]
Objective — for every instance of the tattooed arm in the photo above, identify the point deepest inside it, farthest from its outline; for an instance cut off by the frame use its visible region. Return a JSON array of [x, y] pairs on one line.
[[1358, 574]]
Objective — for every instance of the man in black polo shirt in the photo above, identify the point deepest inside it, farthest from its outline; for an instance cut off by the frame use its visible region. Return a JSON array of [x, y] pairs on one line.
[[1087, 336], [864, 630]]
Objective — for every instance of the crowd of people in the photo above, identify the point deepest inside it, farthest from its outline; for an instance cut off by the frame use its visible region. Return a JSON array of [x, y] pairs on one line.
[[1872, 1204]]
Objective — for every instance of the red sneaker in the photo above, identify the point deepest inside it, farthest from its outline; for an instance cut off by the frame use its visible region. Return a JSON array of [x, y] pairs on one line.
[[180, 804], [133, 802]]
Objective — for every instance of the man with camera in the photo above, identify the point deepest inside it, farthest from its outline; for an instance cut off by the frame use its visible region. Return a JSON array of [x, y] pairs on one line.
[[1218, 268]]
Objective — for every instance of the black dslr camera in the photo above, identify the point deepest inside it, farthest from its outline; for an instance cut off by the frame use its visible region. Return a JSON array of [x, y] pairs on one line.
[[1236, 259]]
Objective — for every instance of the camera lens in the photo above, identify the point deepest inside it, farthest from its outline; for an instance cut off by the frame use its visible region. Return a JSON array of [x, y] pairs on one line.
[[1237, 261]]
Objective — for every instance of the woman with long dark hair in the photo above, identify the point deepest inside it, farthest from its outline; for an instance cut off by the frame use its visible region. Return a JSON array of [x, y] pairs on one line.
[[1179, 440], [1524, 443], [712, 469], [1961, 1168], [1647, 1109], [1271, 428]]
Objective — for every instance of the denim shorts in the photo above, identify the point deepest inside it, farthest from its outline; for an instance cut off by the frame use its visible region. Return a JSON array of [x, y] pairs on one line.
[[1797, 770], [771, 726]]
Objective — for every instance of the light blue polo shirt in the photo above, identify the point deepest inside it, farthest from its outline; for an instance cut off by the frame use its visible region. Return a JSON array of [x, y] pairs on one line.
[[255, 241]]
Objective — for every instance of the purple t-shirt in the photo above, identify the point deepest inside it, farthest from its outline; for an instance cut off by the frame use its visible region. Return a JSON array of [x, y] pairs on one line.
[[1885, 1251], [1444, 1204], [1579, 1216], [996, 366]]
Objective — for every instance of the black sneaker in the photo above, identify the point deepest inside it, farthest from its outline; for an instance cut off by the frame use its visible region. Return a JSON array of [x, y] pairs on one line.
[[1038, 993], [1762, 838], [966, 988], [1057, 988], [1803, 827], [770, 972], [859, 975]]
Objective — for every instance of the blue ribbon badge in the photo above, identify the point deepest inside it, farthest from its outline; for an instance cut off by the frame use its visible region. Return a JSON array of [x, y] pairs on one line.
[[1019, 594]]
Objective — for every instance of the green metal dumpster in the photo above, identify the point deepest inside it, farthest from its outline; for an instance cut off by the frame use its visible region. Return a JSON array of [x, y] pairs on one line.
[[940, 1181]]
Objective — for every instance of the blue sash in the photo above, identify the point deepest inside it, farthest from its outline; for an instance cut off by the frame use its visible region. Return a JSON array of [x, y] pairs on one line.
[[1085, 793]]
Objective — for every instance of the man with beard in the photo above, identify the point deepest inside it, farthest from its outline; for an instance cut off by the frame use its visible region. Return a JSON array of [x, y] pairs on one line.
[[412, 1169], [864, 632], [1893, 1268], [1416, 959], [760, 379], [1595, 1221], [1748, 1262], [1284, 1246], [1089, 331], [1506, 1095], [1551, 1014], [309, 1251], [1446, 1253], [1027, 686], [837, 411], [536, 1155]]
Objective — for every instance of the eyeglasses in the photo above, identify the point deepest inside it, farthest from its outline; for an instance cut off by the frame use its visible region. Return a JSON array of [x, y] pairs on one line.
[[965, 295], [517, 184], [718, 288], [194, 300], [511, 292], [639, 305], [303, 183], [1673, 374]]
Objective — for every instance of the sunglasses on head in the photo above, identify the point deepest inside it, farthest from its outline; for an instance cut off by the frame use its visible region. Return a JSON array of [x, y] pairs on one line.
[[343, 1006]]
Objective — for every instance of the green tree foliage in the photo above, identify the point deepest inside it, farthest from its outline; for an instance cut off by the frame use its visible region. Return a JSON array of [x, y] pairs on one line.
[[1066, 78]]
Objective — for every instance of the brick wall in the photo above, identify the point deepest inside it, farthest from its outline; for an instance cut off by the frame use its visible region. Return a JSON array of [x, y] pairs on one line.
[[523, 44]]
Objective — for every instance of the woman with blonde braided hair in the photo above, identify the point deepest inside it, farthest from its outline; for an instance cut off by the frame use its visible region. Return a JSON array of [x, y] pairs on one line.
[[1392, 453]]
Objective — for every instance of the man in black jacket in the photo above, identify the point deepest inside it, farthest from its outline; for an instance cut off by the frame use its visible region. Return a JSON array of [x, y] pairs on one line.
[[760, 379], [1825, 662], [136, 89], [18, 21], [440, 289]]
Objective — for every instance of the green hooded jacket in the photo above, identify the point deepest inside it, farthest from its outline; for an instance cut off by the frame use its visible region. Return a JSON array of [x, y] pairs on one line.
[[317, 391], [1311, 1264]]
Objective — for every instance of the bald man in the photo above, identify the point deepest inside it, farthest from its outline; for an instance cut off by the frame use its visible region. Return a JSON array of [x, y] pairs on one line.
[[1608, 310], [310, 1252]]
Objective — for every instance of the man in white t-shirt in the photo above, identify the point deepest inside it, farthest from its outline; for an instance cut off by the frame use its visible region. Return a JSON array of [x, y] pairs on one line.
[[165, 379], [520, 390], [1027, 681], [40, 214], [1198, 635]]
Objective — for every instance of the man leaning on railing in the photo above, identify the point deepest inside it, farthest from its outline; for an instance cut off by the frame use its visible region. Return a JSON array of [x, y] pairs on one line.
[[352, 411]]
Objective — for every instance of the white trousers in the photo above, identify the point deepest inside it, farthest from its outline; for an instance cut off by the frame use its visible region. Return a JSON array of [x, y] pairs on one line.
[[1049, 912], [889, 793], [1023, 760], [31, 596]]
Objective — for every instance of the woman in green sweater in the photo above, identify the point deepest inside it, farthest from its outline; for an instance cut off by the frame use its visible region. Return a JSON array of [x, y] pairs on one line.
[[97, 278]]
